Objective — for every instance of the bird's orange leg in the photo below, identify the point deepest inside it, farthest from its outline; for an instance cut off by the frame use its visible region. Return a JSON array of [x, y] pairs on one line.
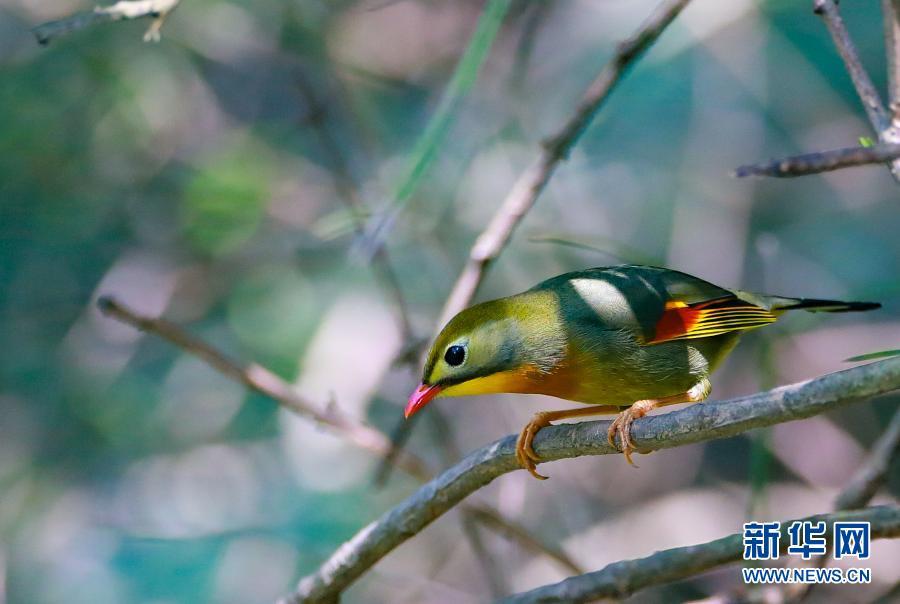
[[621, 425], [525, 452]]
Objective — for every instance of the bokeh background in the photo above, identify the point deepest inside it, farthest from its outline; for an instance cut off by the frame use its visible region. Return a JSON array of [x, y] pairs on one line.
[[206, 178]]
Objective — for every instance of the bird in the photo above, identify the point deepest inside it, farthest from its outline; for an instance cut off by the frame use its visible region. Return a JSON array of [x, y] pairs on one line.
[[621, 339]]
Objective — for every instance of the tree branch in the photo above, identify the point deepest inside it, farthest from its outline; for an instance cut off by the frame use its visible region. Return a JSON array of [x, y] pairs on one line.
[[828, 10], [262, 380], [694, 424], [891, 12], [158, 10], [532, 181], [621, 579], [869, 478], [824, 161], [868, 95]]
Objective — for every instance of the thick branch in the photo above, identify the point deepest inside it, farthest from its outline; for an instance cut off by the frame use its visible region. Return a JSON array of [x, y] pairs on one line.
[[621, 579], [532, 181], [825, 161], [124, 10], [694, 424]]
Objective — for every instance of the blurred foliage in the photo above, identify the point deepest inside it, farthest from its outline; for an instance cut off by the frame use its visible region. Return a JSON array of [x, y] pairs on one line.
[[206, 177]]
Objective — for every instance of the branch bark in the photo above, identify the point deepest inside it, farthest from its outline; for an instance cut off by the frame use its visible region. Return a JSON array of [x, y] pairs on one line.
[[158, 10], [555, 149], [621, 579], [824, 161], [697, 423]]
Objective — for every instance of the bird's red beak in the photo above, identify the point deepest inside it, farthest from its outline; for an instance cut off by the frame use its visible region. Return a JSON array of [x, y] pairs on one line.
[[420, 398]]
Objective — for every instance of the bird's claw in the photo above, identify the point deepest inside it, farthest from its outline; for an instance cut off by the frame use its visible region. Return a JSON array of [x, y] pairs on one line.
[[621, 425], [525, 453]]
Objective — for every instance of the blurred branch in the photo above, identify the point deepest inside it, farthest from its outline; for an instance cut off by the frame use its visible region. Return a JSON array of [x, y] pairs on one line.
[[891, 12], [621, 579], [262, 380], [696, 423], [265, 382], [869, 478], [349, 196], [158, 10], [825, 161], [868, 95], [857, 494], [555, 149]]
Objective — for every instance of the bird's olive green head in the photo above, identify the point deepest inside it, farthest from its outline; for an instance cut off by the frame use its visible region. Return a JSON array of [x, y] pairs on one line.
[[480, 341], [490, 347]]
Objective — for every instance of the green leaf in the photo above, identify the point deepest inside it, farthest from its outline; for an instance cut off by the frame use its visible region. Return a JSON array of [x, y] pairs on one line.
[[865, 141], [883, 354]]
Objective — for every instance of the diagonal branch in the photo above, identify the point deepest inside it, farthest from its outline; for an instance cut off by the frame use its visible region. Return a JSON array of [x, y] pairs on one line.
[[694, 424], [824, 161], [868, 95], [262, 380], [873, 473], [621, 579], [158, 10], [532, 181]]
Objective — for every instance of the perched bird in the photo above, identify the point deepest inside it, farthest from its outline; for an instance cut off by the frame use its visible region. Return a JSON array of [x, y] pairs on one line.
[[625, 339]]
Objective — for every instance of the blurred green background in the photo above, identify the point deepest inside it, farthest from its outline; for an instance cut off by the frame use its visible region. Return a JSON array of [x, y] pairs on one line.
[[207, 178]]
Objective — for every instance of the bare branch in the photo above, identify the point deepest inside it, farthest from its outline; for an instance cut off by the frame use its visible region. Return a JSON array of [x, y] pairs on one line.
[[891, 11], [621, 579], [869, 478], [158, 10], [262, 380], [868, 95], [824, 161], [532, 181], [694, 424], [878, 117]]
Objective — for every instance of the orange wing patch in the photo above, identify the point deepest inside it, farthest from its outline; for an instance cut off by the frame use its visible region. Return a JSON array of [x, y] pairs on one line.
[[681, 321]]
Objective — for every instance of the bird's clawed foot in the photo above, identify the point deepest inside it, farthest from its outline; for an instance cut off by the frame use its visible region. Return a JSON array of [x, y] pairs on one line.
[[621, 425], [525, 453]]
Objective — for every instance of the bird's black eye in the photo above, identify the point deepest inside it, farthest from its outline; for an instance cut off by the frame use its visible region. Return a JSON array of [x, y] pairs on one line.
[[455, 355]]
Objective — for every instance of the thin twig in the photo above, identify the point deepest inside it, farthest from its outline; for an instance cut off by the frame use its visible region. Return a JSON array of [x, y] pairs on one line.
[[828, 10], [693, 424], [868, 95], [262, 380], [857, 494], [621, 579], [349, 196], [824, 161], [872, 474], [891, 12], [158, 10], [532, 181], [265, 382]]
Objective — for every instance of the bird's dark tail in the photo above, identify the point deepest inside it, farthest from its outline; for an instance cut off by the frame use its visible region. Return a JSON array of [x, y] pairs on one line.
[[815, 305]]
